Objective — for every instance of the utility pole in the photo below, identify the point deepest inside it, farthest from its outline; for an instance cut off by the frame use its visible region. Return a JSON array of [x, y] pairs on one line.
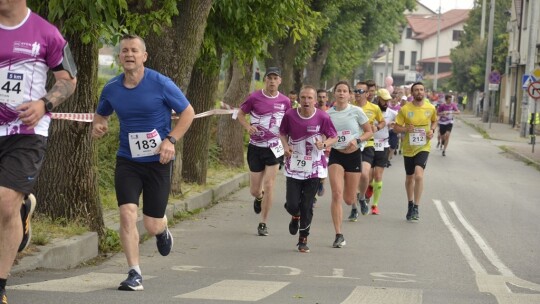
[[528, 105], [483, 25], [436, 71], [489, 58]]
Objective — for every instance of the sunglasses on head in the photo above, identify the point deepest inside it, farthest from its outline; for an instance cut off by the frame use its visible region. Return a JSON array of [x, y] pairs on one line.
[[359, 91]]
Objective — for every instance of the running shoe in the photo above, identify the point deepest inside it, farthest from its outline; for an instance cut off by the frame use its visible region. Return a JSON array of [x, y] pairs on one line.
[[438, 144], [302, 244], [257, 204], [369, 192], [340, 241], [262, 229], [27, 209], [409, 211], [374, 210], [443, 153], [320, 191], [294, 224], [354, 215], [363, 206], [415, 214], [3, 297], [133, 282], [164, 242]]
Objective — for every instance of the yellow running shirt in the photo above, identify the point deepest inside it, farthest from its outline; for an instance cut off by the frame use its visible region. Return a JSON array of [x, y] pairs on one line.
[[421, 118], [374, 113]]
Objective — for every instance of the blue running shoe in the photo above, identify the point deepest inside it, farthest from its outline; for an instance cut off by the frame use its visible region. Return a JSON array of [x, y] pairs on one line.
[[133, 282], [164, 242]]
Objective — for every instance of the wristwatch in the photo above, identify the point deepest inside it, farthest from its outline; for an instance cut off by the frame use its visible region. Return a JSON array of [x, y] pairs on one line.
[[358, 141], [324, 145], [48, 104], [171, 139]]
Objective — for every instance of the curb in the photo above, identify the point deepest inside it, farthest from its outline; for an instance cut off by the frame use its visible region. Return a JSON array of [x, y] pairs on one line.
[[68, 253]]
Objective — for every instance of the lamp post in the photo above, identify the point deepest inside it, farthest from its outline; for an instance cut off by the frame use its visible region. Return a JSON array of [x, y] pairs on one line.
[[436, 71]]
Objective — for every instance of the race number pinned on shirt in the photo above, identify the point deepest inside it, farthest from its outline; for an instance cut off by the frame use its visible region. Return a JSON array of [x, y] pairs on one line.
[[144, 144], [302, 163], [11, 88], [379, 144], [417, 137], [344, 137], [278, 149]]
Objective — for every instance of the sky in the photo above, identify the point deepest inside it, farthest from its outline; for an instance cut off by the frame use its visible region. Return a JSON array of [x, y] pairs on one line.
[[447, 5]]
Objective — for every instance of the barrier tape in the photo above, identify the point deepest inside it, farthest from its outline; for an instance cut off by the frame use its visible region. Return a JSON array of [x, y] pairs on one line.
[[89, 117]]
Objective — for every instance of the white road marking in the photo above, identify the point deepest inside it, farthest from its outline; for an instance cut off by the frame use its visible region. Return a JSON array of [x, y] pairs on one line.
[[292, 271], [236, 290], [187, 268], [370, 295], [84, 283]]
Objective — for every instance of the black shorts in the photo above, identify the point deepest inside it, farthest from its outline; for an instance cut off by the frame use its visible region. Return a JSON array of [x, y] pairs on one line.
[[258, 158], [419, 159], [152, 179], [380, 159], [350, 162], [21, 158], [393, 140], [445, 128], [368, 155]]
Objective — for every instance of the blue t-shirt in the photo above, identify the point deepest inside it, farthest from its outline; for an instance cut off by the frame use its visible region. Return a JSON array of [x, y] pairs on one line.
[[143, 108]]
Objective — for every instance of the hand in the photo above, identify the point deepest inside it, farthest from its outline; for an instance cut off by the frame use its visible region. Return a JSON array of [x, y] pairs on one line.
[[166, 152], [319, 144], [98, 130], [351, 146], [287, 151], [30, 113], [409, 128], [252, 130]]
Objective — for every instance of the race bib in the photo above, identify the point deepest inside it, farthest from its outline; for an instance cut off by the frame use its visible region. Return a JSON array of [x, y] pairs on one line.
[[344, 137], [417, 137], [144, 144], [379, 144], [278, 150], [11, 88], [303, 163]]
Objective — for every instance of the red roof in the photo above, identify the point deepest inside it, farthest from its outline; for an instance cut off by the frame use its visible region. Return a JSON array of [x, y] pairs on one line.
[[442, 59], [439, 76], [425, 26]]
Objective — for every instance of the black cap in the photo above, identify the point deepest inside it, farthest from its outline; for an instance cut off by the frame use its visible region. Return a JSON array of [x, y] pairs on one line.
[[273, 70]]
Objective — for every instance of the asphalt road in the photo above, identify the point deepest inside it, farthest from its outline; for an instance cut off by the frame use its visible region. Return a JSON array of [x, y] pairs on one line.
[[476, 242]]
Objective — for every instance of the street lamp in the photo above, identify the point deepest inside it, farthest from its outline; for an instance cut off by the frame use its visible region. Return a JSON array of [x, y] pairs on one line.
[[436, 72]]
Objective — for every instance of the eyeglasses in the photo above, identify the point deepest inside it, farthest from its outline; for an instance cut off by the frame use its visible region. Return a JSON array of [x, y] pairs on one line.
[[359, 91]]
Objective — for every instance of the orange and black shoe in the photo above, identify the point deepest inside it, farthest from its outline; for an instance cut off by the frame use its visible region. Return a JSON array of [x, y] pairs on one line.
[[27, 209], [302, 244], [3, 297]]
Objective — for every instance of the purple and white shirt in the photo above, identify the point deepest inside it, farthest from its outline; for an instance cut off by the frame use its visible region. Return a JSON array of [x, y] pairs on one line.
[[449, 117], [266, 114], [27, 51], [307, 161]]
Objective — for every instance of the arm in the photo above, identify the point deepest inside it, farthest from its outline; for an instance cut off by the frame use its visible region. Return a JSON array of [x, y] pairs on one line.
[[285, 143], [246, 125], [166, 149], [100, 125], [32, 112]]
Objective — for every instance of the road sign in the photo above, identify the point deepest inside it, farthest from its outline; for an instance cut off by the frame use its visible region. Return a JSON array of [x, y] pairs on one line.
[[526, 80], [536, 73], [495, 77], [534, 90], [493, 86]]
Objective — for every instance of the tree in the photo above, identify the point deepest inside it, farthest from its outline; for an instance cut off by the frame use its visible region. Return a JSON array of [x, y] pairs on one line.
[[67, 185]]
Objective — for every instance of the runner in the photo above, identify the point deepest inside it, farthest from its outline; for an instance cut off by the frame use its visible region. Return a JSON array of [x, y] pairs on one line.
[[446, 112]]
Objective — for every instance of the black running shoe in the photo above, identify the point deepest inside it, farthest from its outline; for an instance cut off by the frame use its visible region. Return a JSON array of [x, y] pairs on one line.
[[27, 209], [409, 211], [3, 297], [133, 282], [164, 242], [353, 217], [340, 241], [415, 214], [302, 244], [363, 206], [293, 225], [257, 204], [443, 153], [262, 229]]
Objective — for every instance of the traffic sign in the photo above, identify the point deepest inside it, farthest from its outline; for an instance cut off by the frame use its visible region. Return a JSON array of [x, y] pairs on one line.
[[493, 86], [526, 80], [536, 73], [534, 90], [495, 77]]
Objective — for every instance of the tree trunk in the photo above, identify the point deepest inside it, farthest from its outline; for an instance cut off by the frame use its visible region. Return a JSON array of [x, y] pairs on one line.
[[67, 185], [230, 133], [283, 54], [182, 42], [202, 94], [315, 65]]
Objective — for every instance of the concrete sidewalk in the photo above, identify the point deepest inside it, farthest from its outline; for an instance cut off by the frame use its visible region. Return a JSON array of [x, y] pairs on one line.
[[507, 138], [68, 253]]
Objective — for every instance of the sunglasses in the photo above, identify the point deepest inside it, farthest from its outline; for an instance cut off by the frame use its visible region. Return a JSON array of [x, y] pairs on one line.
[[359, 91]]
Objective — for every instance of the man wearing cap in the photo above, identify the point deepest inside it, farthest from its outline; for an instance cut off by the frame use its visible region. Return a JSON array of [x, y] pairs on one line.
[[370, 158], [266, 109], [381, 144]]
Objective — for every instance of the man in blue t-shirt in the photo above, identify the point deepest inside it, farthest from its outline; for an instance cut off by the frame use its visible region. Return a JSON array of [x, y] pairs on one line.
[[142, 99]]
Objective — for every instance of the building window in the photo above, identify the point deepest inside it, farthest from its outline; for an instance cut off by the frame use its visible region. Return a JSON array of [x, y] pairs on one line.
[[401, 60], [456, 35], [408, 34], [413, 60]]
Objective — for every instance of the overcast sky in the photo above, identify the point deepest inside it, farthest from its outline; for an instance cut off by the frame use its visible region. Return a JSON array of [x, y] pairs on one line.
[[447, 5]]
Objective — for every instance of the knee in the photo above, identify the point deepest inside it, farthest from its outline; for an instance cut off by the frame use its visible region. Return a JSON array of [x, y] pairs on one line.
[[10, 205]]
